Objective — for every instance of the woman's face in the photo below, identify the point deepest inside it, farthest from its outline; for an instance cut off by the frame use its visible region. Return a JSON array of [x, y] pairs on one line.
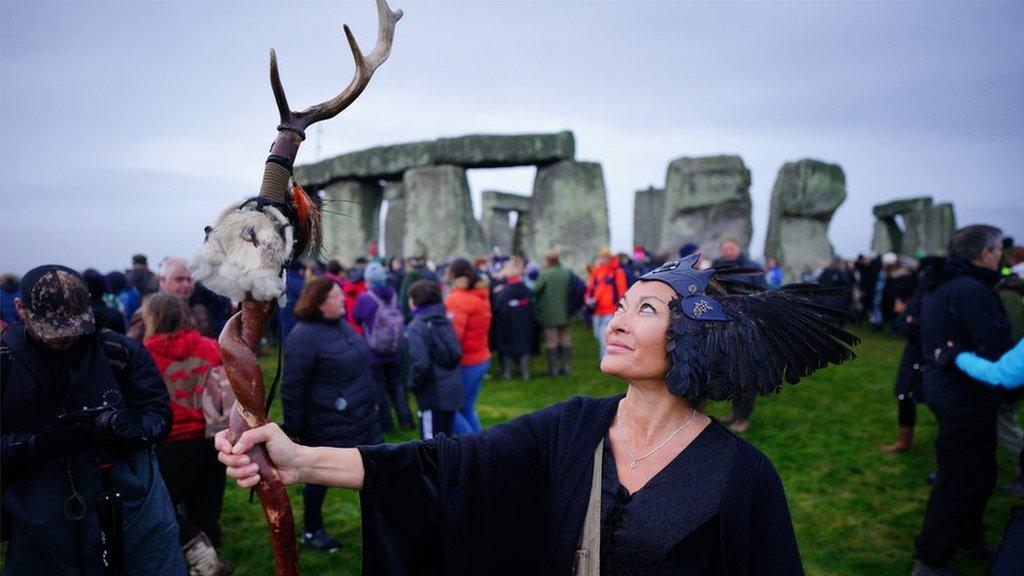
[[637, 336], [333, 306]]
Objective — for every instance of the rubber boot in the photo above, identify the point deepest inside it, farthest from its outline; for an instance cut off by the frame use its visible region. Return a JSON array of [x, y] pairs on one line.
[[202, 560], [524, 366], [904, 441], [553, 360], [565, 352], [506, 367]]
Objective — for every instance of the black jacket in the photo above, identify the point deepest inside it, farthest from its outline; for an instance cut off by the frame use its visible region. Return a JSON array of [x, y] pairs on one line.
[[512, 310], [327, 393], [511, 500], [38, 385], [910, 376], [434, 354], [960, 306]]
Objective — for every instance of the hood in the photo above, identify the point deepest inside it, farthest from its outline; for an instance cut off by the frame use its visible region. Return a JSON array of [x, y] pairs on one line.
[[432, 311], [175, 346]]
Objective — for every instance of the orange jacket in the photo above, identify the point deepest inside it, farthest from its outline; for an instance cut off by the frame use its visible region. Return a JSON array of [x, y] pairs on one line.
[[470, 311], [605, 287]]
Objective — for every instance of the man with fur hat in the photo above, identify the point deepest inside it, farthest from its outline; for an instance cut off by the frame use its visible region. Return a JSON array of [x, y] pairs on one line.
[[81, 409]]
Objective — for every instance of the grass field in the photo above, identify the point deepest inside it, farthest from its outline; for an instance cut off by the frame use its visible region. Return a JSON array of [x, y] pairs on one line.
[[856, 510]]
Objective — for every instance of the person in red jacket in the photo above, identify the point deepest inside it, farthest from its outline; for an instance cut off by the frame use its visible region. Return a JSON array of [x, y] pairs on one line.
[[605, 287], [189, 363], [469, 307]]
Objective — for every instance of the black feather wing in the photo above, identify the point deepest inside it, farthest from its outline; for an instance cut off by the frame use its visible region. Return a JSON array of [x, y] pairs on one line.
[[773, 336]]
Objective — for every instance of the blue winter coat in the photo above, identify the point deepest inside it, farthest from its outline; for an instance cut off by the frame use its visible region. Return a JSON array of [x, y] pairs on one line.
[[1008, 371], [328, 396], [434, 355], [106, 369]]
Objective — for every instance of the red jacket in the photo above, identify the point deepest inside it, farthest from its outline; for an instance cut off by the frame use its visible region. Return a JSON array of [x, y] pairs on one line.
[[185, 360], [606, 286], [470, 311]]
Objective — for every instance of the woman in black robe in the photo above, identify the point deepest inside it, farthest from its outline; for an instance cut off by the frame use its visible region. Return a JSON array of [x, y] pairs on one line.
[[643, 483]]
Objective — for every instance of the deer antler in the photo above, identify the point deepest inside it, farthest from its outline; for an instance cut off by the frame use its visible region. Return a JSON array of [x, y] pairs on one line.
[[365, 66]]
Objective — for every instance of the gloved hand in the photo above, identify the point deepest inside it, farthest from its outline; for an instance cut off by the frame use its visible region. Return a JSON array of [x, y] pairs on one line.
[[122, 429], [68, 435]]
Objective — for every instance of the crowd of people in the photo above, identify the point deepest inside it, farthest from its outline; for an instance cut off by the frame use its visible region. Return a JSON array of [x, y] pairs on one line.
[[356, 341]]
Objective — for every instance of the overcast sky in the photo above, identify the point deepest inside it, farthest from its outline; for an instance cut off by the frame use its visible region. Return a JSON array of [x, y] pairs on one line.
[[126, 127]]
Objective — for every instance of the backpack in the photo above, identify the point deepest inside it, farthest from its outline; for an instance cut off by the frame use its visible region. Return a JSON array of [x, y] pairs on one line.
[[385, 333], [577, 289]]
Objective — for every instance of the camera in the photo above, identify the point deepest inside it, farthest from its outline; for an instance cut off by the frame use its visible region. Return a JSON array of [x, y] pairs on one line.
[[108, 422]]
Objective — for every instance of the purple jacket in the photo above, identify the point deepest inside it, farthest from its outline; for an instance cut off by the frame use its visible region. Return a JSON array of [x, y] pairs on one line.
[[364, 313]]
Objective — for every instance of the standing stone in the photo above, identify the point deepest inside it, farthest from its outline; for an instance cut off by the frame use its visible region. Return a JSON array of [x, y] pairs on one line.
[[495, 217], [394, 220], [568, 214], [929, 230], [439, 219], [706, 199], [350, 221], [887, 237], [806, 195], [648, 208]]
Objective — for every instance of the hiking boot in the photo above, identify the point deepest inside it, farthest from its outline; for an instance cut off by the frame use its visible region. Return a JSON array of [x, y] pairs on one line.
[[524, 367], [552, 354], [922, 569], [321, 540], [904, 441], [202, 560], [506, 368], [566, 353]]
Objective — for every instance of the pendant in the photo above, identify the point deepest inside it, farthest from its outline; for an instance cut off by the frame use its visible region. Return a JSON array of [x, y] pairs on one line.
[[632, 464]]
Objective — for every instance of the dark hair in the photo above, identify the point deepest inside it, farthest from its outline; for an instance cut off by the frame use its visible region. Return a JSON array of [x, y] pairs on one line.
[[424, 292], [314, 293], [95, 282], [117, 281], [461, 268], [970, 241], [164, 313], [335, 267]]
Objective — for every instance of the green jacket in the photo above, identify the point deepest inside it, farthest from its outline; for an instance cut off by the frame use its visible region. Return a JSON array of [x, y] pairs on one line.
[[1014, 306], [552, 295]]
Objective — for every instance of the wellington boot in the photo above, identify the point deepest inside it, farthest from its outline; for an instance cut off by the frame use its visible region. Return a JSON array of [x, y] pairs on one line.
[[506, 367], [904, 441], [524, 366], [552, 354], [565, 352], [202, 560]]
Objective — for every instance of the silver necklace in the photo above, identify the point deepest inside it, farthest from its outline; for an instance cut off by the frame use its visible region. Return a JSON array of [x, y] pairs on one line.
[[633, 460]]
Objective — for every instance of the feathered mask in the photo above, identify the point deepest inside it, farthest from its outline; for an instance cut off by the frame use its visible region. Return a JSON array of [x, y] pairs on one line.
[[730, 339]]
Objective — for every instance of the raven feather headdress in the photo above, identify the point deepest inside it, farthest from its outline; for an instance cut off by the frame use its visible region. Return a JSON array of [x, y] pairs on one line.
[[728, 338]]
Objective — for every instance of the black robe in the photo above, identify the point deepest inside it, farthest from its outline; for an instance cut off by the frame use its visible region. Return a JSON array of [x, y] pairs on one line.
[[512, 499]]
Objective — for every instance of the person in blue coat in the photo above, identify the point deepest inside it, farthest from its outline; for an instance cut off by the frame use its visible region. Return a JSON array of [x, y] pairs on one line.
[[327, 394], [1007, 371], [640, 483], [434, 355]]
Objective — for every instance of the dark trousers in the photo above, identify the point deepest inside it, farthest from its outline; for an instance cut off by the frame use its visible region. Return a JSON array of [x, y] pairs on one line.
[[965, 452], [742, 408], [195, 481], [391, 395], [312, 507], [907, 412], [434, 422]]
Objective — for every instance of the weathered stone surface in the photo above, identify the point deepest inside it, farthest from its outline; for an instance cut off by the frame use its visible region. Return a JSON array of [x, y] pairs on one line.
[[805, 196], [887, 236], [494, 218], [350, 219], [473, 151], [394, 219], [901, 206], [568, 214], [928, 231], [439, 219], [706, 199], [648, 208]]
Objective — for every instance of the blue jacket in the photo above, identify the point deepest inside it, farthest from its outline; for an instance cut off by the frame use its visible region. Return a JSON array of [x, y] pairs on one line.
[[327, 393], [38, 385], [961, 306], [1008, 371], [434, 355]]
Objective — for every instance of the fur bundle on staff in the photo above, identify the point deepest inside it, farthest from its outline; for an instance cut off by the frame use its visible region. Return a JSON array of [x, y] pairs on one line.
[[244, 257], [729, 339]]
